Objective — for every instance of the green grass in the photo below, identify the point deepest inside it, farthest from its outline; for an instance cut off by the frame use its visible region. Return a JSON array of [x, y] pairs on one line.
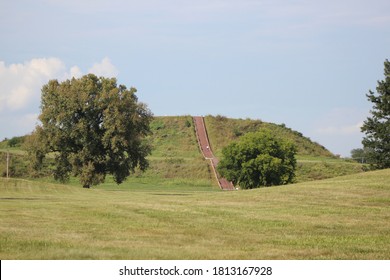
[[315, 162], [222, 131], [323, 168], [341, 218], [176, 154], [174, 137]]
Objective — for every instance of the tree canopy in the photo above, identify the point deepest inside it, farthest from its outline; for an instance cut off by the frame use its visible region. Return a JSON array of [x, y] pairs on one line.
[[377, 126], [362, 155], [258, 159], [93, 127]]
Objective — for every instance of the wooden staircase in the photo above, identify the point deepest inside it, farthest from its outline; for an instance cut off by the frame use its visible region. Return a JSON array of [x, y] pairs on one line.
[[204, 146]]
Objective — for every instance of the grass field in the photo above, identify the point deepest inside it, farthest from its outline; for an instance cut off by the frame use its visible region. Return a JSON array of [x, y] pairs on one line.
[[341, 218]]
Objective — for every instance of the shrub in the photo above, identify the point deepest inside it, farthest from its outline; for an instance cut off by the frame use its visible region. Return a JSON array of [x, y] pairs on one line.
[[258, 159]]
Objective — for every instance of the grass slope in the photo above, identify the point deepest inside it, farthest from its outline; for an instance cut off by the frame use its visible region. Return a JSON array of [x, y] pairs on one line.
[[176, 156], [223, 130], [341, 218], [315, 162]]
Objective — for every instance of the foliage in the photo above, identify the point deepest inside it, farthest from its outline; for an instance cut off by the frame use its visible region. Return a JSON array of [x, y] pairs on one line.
[[377, 127], [365, 155], [17, 165], [258, 159], [93, 127], [16, 141], [188, 123]]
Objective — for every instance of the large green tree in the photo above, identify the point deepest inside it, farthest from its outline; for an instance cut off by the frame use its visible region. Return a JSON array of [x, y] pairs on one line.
[[377, 126], [258, 159], [93, 127]]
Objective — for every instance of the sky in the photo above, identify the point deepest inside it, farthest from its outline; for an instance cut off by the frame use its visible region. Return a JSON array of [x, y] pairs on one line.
[[307, 64]]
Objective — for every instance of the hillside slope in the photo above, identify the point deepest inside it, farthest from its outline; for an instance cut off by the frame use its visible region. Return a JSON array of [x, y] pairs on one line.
[[315, 162], [176, 155], [224, 130], [174, 140]]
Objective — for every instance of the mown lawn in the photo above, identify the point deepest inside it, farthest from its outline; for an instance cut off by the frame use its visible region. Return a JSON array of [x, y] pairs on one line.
[[340, 218]]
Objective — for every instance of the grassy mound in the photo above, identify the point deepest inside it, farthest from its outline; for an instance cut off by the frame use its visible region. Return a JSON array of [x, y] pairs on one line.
[[176, 155], [224, 130], [315, 162]]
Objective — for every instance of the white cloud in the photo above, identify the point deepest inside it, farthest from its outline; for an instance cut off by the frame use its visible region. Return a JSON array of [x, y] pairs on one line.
[[20, 89], [104, 68], [19, 97], [76, 72], [20, 83]]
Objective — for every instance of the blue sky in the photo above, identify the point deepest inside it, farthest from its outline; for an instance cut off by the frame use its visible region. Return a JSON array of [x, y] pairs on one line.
[[304, 63]]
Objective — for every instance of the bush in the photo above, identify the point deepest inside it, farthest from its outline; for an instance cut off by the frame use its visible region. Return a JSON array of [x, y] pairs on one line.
[[16, 141], [188, 123], [258, 159], [18, 165]]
